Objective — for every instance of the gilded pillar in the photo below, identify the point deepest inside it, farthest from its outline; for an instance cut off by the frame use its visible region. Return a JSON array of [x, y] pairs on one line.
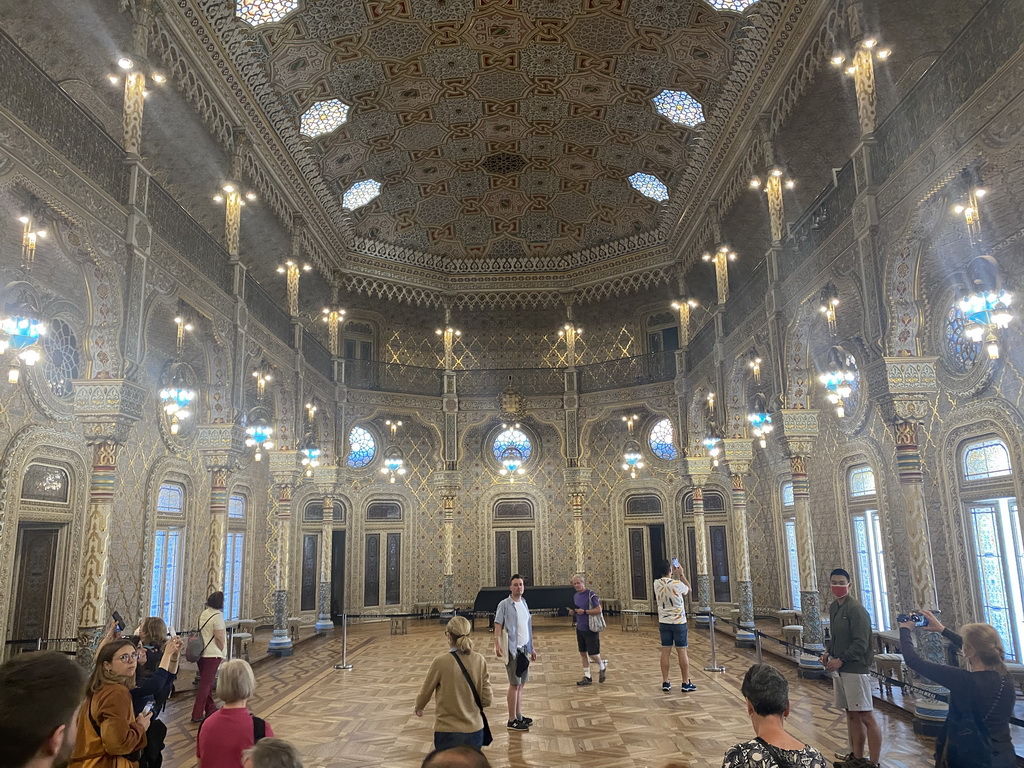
[[218, 529], [326, 479], [699, 469], [284, 471], [740, 453], [134, 105], [800, 429], [577, 483], [447, 485]]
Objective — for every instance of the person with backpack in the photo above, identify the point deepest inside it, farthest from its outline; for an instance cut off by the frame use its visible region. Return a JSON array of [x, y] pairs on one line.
[[213, 636], [232, 729], [767, 695], [589, 616], [976, 733]]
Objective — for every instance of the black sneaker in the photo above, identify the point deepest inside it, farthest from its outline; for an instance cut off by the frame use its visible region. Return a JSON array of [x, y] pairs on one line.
[[602, 675], [517, 725], [666, 686], [687, 687], [527, 721], [585, 681]]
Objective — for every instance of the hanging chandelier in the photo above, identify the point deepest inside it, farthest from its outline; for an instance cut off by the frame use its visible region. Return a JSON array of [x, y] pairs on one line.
[[712, 440], [839, 379], [760, 420], [394, 464], [827, 305], [21, 331], [632, 459], [178, 395], [310, 453], [259, 435], [987, 312], [512, 460]]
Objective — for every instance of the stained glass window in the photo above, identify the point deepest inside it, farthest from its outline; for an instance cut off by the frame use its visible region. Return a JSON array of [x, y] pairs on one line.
[[662, 440], [787, 494], [60, 358], [236, 507], [870, 558], [998, 554], [43, 482], [163, 596], [649, 186], [233, 560], [739, 6], [323, 117], [171, 500], [862, 481], [362, 448], [962, 352], [512, 438], [985, 459], [258, 12], [360, 193], [679, 107], [792, 560]]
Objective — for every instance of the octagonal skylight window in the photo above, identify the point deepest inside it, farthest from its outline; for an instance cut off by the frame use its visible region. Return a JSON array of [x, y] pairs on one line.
[[360, 194], [258, 12], [679, 107], [739, 6], [323, 117], [649, 186]]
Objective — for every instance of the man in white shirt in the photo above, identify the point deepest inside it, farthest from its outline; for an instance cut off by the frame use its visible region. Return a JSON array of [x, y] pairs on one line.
[[669, 591], [513, 616]]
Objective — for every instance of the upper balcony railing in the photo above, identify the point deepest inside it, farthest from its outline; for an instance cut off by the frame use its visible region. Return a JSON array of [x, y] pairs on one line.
[[627, 372], [492, 381], [392, 377]]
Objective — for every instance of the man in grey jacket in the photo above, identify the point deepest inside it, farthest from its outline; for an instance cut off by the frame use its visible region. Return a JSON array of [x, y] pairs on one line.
[[512, 621]]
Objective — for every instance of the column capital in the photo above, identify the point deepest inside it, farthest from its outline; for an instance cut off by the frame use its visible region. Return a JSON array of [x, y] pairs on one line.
[[327, 479], [906, 386], [221, 445], [698, 468], [739, 453], [799, 430], [447, 482], [577, 479], [107, 408], [284, 467]]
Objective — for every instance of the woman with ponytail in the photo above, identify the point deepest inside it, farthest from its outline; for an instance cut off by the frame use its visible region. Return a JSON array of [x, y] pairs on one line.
[[976, 733], [458, 679]]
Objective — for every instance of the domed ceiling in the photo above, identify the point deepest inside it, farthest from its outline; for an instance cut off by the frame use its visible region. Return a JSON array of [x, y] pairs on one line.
[[484, 137]]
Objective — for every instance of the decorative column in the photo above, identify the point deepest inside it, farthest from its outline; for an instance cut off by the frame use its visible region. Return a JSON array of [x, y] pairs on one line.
[[740, 454], [284, 470], [577, 483], [447, 484], [699, 470], [326, 479], [220, 445], [908, 394], [799, 430], [720, 258], [106, 410]]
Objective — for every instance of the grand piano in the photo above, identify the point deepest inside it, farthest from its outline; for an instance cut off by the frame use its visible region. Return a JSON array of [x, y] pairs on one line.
[[538, 598]]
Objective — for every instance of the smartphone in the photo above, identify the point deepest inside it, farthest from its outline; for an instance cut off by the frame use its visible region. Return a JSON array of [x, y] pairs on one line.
[[171, 632], [118, 621], [675, 562], [148, 708]]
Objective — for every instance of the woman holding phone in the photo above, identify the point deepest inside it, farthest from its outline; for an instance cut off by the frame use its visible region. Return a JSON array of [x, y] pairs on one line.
[[154, 682]]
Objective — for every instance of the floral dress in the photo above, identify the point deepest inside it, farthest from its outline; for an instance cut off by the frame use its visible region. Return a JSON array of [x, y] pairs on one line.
[[753, 754]]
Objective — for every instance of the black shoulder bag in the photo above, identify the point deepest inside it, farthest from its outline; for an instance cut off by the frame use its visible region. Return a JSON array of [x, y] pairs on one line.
[[776, 754], [476, 697]]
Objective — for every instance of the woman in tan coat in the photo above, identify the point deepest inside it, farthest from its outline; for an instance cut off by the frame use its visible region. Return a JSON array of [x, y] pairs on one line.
[[458, 719], [110, 735]]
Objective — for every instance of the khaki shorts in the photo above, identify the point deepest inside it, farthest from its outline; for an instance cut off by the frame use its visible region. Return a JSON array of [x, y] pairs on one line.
[[510, 670], [853, 692]]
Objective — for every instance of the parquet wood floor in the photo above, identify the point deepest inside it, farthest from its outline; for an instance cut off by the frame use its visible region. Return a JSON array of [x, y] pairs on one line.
[[364, 717]]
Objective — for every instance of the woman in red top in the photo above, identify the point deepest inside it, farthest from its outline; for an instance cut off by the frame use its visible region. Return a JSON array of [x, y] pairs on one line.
[[232, 729]]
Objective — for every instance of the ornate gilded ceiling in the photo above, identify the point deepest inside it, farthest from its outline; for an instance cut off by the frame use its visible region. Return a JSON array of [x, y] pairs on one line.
[[503, 133]]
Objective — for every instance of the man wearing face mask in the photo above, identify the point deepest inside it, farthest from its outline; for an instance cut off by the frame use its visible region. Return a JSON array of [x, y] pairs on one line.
[[848, 656]]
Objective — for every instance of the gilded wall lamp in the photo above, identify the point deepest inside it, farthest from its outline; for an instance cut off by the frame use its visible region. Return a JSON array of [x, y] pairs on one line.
[[30, 235], [309, 450], [684, 307], [292, 269], [571, 333], [632, 458], [859, 63], [720, 258], [394, 460], [773, 182], [264, 374], [333, 316], [178, 394], [132, 73], [448, 335], [712, 440], [234, 199], [827, 303]]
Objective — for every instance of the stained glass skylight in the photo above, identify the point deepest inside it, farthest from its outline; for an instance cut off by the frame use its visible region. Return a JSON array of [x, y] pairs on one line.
[[862, 481], [648, 185], [360, 193], [362, 448], [739, 6], [258, 12], [323, 117], [512, 438], [988, 458], [662, 440], [679, 107]]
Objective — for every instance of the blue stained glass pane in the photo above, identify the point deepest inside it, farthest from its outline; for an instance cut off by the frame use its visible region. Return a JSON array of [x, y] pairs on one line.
[[739, 6], [962, 352], [985, 459], [860, 535], [362, 448], [679, 107], [649, 186], [156, 593], [323, 117], [236, 507], [883, 589], [990, 572], [171, 499], [793, 560], [171, 565], [787, 494], [862, 481], [360, 194], [662, 440], [258, 12], [512, 438], [233, 575]]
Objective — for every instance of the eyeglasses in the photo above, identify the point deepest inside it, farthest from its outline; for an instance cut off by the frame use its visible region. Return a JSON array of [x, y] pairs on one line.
[[124, 658]]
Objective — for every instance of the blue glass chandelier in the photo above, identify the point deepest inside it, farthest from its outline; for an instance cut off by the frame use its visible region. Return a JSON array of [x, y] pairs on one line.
[[760, 420], [394, 464], [259, 437], [632, 459]]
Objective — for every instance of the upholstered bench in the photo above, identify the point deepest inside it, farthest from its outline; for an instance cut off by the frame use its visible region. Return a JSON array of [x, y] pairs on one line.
[[891, 667], [793, 633], [399, 625], [787, 617]]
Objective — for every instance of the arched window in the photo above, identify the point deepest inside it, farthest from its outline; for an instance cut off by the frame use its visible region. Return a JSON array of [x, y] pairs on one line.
[[46, 483], [60, 358], [789, 531], [512, 439], [868, 544], [960, 350], [234, 556], [990, 501], [361, 448], [168, 545], [662, 440]]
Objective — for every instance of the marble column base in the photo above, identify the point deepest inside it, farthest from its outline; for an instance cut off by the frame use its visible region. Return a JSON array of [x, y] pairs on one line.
[[703, 618], [745, 636], [323, 620], [281, 642], [929, 714], [448, 591]]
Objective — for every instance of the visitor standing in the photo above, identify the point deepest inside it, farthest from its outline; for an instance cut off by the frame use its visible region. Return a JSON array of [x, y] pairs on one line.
[[588, 642], [669, 592], [513, 644], [213, 631]]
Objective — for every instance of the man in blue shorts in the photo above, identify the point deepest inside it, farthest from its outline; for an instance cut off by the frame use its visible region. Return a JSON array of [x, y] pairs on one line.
[[669, 591]]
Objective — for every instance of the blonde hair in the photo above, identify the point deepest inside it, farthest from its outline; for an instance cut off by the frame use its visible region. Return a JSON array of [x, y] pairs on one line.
[[987, 645], [458, 630], [153, 631], [235, 681]]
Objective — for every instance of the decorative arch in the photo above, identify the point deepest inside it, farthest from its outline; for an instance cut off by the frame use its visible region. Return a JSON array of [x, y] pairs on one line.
[[539, 524]]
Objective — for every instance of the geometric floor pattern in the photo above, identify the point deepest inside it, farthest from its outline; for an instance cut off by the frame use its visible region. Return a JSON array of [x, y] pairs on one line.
[[364, 716]]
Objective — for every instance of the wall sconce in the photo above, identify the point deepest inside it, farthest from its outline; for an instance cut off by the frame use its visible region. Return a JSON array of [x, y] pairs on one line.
[[263, 375], [868, 50], [178, 395], [760, 420], [774, 176], [310, 453], [129, 70], [828, 302], [755, 369], [632, 459], [29, 236], [393, 425]]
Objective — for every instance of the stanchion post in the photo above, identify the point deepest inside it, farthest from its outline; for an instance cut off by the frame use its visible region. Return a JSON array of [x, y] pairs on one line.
[[714, 651], [344, 644], [757, 645]]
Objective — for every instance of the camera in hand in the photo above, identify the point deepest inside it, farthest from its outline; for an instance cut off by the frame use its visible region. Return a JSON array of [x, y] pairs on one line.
[[917, 618]]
